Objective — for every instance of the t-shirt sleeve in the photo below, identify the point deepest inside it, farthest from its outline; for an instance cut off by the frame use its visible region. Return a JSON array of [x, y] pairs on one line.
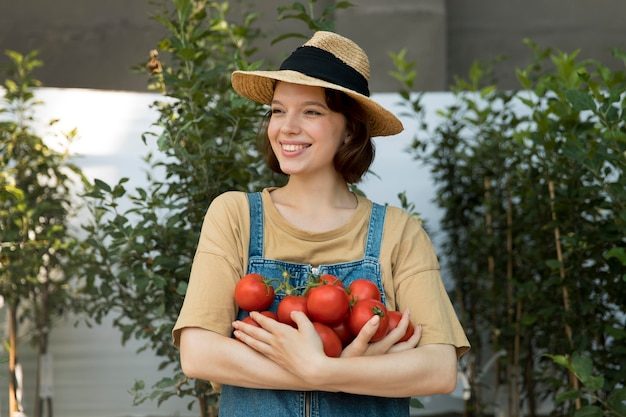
[[419, 287], [217, 266]]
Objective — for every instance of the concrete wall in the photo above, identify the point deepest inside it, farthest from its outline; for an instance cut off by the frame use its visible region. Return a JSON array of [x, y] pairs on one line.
[[83, 43], [484, 29], [90, 43]]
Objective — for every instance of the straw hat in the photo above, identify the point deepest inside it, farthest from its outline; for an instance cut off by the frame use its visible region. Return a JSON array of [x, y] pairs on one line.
[[326, 60]]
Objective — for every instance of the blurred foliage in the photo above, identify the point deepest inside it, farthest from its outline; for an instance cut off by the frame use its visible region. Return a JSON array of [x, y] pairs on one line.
[[38, 276], [140, 258], [533, 190]]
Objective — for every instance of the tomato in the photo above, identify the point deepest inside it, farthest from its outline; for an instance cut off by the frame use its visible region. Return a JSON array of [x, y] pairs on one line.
[[287, 305], [251, 321], [328, 279], [252, 293], [330, 340], [362, 289], [394, 319], [327, 304], [364, 310], [344, 333]]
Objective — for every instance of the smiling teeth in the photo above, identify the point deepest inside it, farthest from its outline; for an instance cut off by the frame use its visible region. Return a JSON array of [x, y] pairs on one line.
[[293, 148]]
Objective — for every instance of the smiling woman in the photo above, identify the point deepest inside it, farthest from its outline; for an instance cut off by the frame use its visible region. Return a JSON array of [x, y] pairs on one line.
[[303, 131], [319, 134]]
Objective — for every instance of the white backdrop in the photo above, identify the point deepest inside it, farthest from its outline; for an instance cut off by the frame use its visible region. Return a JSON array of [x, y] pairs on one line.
[[92, 373]]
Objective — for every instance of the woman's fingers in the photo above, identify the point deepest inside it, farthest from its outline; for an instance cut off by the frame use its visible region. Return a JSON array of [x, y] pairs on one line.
[[265, 322], [360, 344], [255, 337], [399, 331], [409, 343], [302, 321]]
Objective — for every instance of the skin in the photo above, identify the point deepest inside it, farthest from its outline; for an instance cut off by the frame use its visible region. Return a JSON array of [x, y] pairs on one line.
[[305, 136]]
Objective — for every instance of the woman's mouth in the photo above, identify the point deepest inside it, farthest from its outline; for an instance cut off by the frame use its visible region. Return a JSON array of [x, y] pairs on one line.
[[294, 147]]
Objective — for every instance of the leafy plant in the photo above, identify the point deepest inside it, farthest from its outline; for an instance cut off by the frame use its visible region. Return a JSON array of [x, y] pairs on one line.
[[306, 13], [38, 278], [599, 403], [533, 190], [140, 258]]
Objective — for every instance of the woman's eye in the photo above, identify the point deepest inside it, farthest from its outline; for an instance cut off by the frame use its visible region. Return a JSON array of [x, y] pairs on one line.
[[313, 112], [276, 111]]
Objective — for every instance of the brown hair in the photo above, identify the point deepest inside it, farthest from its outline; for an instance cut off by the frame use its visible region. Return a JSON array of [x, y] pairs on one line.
[[354, 157]]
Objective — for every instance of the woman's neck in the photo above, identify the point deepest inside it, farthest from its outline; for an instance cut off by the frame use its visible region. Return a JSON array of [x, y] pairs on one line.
[[330, 192], [315, 205]]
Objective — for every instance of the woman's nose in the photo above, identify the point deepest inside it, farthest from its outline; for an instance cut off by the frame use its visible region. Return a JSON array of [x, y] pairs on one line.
[[290, 125]]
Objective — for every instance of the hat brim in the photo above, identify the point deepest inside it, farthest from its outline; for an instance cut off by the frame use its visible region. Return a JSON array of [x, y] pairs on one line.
[[259, 86]]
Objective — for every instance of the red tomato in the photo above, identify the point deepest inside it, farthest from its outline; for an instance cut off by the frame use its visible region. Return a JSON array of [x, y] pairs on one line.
[[330, 340], [363, 289], [328, 279], [364, 310], [251, 321], [327, 304], [344, 333], [252, 293], [287, 305], [394, 319]]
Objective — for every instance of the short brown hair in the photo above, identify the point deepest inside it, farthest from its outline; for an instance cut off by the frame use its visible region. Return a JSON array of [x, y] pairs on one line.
[[354, 157]]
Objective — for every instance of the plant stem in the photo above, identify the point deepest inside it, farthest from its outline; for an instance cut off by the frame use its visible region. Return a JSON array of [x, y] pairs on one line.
[[564, 290], [513, 364], [13, 404], [491, 273]]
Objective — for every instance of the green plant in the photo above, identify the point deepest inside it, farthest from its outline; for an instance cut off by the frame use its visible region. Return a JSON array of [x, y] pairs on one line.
[[140, 258], [533, 190], [37, 273], [306, 13], [599, 403]]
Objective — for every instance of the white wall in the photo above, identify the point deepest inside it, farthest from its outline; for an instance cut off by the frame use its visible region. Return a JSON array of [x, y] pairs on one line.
[[92, 371]]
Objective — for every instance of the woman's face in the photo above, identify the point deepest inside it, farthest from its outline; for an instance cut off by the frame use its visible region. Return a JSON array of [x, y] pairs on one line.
[[303, 132]]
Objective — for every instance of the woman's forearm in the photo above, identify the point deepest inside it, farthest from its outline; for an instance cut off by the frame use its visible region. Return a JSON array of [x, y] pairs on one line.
[[427, 370], [212, 357], [430, 369]]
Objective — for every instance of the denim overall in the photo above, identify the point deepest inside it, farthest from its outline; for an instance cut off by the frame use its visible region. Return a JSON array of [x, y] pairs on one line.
[[247, 402]]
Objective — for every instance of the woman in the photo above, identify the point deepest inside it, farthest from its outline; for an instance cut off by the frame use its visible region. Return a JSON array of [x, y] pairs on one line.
[[319, 134]]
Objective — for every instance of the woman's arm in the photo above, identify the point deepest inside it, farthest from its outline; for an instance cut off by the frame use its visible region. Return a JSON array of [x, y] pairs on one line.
[[426, 370], [212, 357]]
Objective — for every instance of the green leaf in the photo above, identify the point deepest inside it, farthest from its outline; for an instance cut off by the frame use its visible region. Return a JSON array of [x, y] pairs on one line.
[[594, 383], [617, 401], [287, 36], [101, 185], [181, 289], [567, 396], [416, 403], [582, 365], [580, 100], [553, 264], [165, 383], [589, 411], [617, 253], [562, 360]]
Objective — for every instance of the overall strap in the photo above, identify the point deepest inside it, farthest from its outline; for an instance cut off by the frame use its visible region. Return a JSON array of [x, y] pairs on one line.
[[255, 247], [375, 231]]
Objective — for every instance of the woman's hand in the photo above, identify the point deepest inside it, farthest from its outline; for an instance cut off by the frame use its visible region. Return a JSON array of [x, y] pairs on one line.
[[361, 345], [298, 350]]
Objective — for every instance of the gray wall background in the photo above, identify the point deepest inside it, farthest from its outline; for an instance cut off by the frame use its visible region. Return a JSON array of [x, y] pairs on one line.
[[94, 44]]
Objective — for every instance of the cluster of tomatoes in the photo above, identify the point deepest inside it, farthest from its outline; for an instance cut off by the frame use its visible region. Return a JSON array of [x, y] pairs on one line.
[[337, 313]]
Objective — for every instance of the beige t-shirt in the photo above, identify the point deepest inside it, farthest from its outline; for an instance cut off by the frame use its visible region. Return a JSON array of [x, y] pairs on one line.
[[409, 266]]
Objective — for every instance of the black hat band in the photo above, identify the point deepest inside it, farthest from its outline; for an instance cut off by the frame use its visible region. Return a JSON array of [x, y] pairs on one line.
[[321, 64]]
